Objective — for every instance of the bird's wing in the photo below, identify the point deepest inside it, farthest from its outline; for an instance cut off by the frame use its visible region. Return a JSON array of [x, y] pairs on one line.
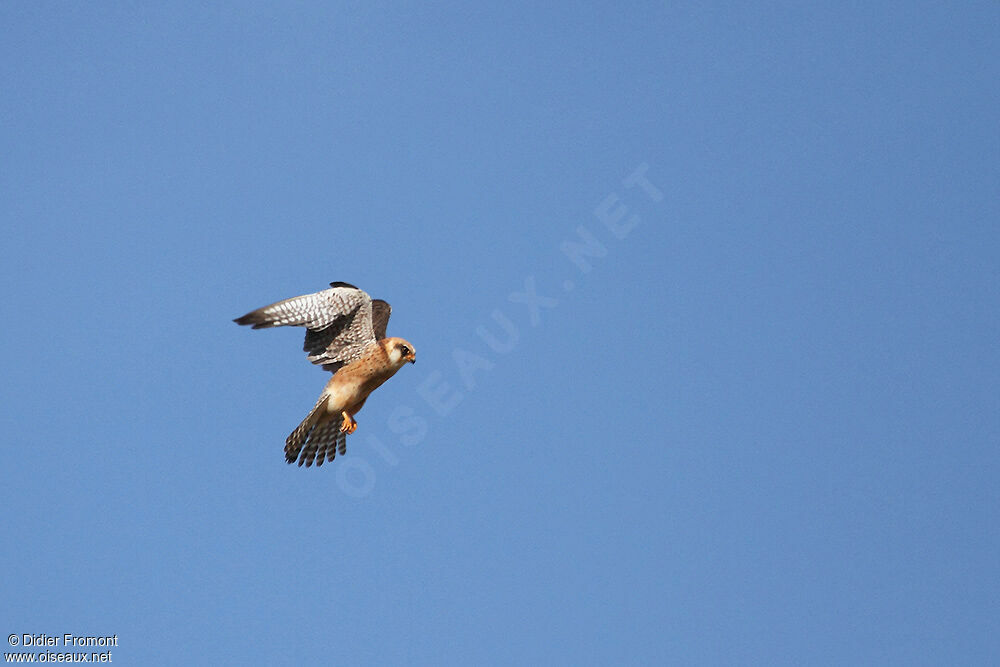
[[338, 322], [380, 317]]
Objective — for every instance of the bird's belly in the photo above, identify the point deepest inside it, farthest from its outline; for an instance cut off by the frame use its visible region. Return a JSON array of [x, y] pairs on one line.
[[350, 386], [344, 393], [343, 396]]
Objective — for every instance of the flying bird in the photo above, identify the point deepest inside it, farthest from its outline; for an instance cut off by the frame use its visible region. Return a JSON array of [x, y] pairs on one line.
[[345, 334]]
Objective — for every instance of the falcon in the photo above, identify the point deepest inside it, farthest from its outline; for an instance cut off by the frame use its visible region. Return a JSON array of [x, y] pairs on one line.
[[345, 334]]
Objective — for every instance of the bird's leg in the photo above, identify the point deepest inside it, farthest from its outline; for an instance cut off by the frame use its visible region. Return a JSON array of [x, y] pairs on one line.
[[348, 425]]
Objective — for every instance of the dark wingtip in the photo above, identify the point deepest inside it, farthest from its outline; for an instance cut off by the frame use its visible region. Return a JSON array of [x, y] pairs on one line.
[[254, 319], [343, 284]]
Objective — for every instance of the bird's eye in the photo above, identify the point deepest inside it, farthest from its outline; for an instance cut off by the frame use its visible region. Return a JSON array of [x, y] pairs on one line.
[[403, 350]]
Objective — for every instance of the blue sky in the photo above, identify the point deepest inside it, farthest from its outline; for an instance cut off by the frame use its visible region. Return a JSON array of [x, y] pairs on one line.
[[762, 428]]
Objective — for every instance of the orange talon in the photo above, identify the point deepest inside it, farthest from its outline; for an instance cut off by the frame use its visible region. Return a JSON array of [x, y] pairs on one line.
[[348, 425]]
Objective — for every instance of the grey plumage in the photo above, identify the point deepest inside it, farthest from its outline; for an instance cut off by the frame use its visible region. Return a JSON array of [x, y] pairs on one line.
[[340, 322]]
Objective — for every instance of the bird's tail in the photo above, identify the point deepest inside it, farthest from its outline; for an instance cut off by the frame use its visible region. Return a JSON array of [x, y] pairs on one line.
[[315, 439]]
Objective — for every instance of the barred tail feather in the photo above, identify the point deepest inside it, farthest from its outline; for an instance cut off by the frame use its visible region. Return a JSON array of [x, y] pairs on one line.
[[339, 443], [295, 441], [317, 442]]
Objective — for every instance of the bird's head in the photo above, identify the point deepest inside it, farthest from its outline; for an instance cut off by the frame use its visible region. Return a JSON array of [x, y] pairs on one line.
[[399, 351]]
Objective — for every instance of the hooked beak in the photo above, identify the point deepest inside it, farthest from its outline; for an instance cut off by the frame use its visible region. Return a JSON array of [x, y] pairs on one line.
[[412, 358]]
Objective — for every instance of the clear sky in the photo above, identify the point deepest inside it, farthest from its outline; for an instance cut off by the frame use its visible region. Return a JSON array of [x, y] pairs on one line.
[[704, 299]]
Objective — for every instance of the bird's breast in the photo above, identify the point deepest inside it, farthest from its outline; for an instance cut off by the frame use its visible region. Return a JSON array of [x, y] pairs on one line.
[[351, 384]]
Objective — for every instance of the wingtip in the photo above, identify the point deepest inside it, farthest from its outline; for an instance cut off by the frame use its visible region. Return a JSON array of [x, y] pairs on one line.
[[253, 319]]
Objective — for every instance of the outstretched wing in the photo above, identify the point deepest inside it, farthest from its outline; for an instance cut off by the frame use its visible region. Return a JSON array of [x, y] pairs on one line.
[[338, 322], [380, 317]]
